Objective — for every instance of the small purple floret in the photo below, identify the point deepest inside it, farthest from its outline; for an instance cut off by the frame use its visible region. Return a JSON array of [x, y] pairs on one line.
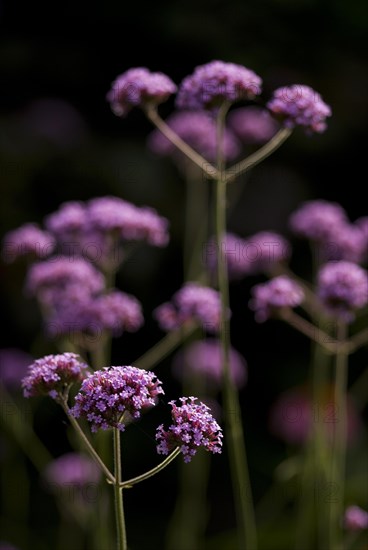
[[107, 394], [53, 374], [193, 427]]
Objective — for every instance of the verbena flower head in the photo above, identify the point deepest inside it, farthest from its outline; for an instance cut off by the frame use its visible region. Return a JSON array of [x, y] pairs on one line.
[[68, 221], [252, 124], [47, 279], [193, 427], [114, 311], [204, 359], [7, 546], [212, 84], [198, 129], [314, 219], [193, 302], [355, 519], [264, 249], [107, 394], [129, 222], [139, 87], [300, 105], [13, 367], [278, 293], [72, 469], [27, 240], [53, 375], [326, 224], [342, 288]]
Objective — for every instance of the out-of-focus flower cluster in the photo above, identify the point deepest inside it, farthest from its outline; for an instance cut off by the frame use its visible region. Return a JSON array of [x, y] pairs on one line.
[[192, 303], [83, 243]]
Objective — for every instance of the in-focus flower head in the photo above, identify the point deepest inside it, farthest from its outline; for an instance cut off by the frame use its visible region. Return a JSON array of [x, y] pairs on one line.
[[139, 87], [193, 427], [114, 311], [72, 469], [252, 124], [27, 240], [193, 302], [300, 105], [355, 519], [278, 293], [107, 394], [198, 129], [204, 359], [215, 82], [53, 374], [342, 288], [47, 279]]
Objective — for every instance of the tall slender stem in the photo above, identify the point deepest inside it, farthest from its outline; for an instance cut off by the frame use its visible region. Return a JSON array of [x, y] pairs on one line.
[[339, 447], [118, 494], [164, 347], [236, 444]]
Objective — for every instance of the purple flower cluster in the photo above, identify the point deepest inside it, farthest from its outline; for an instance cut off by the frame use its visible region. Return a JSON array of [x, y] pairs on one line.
[[62, 277], [212, 84], [326, 224], [198, 129], [72, 469], [356, 519], [342, 288], [53, 375], [278, 293], [139, 87], [193, 427], [27, 240], [107, 394], [252, 124], [204, 359], [249, 256], [300, 105], [192, 303], [114, 311]]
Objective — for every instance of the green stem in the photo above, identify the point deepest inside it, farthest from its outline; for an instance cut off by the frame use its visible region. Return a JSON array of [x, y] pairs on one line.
[[236, 444], [164, 347], [339, 447], [86, 441], [118, 494], [130, 482], [244, 165], [15, 420], [203, 164], [316, 334]]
